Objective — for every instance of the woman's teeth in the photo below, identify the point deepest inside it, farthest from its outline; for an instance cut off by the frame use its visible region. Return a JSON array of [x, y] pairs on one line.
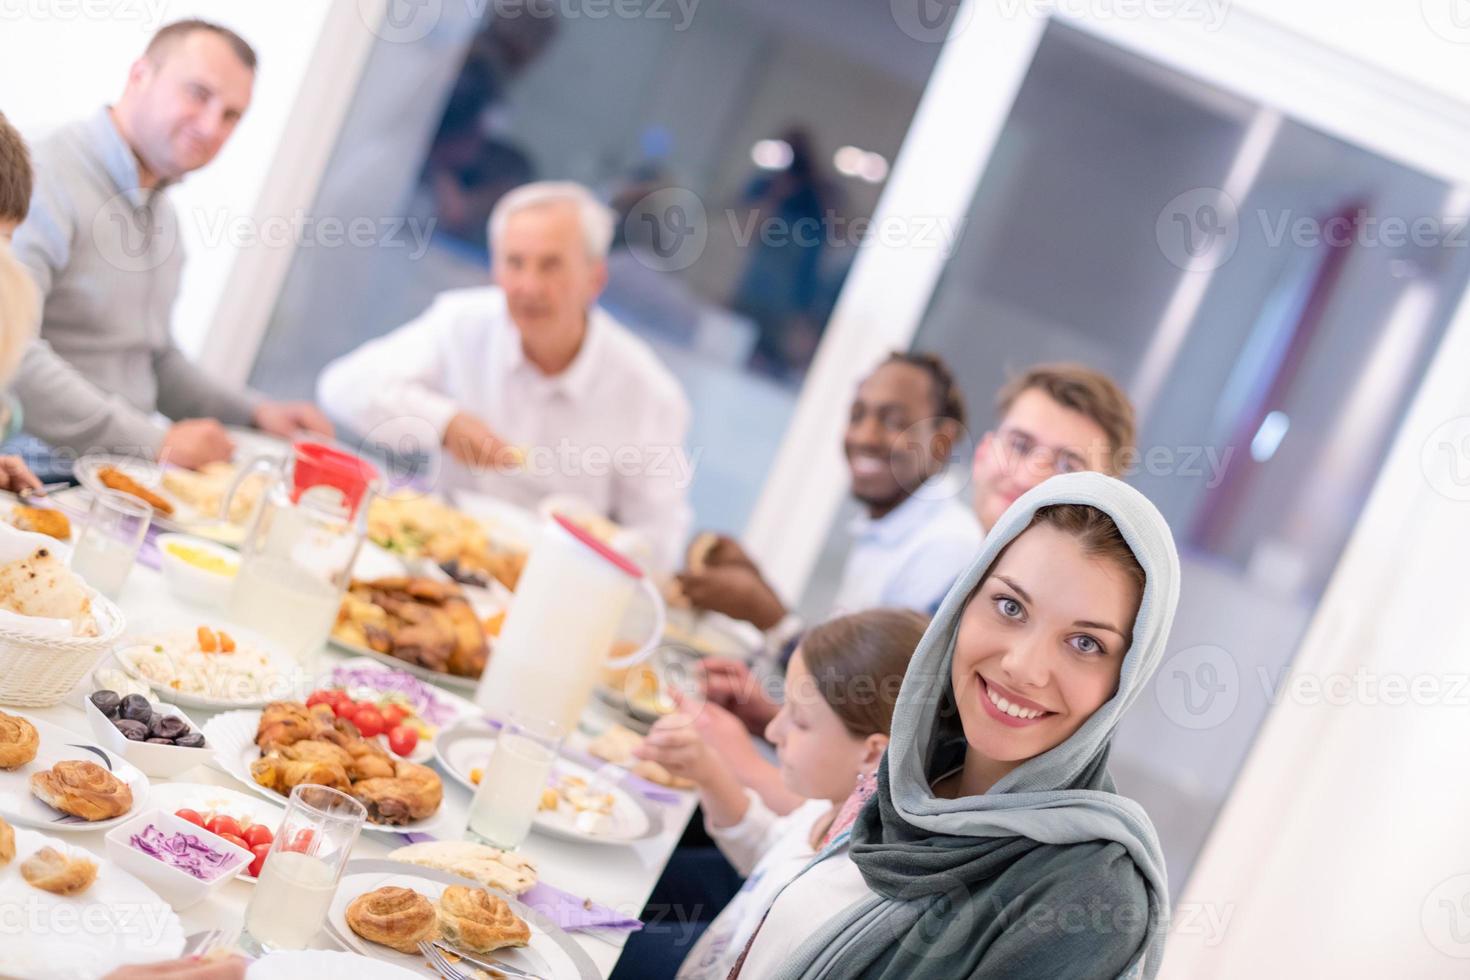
[[1014, 710]]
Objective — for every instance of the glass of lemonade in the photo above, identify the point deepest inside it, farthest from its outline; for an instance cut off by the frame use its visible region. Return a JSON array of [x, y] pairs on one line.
[[108, 545], [509, 793], [300, 874]]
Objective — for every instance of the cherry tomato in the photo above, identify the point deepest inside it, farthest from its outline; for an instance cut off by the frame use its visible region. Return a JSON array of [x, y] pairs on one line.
[[301, 843], [403, 740], [321, 697], [344, 708], [224, 827], [260, 851], [192, 816], [257, 834], [369, 721], [237, 840], [393, 716]]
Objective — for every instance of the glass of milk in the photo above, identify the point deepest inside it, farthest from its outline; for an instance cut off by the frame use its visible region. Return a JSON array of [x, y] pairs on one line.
[[109, 543], [519, 768], [291, 898]]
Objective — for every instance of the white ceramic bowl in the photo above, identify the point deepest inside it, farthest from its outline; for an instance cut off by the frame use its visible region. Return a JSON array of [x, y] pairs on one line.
[[178, 888], [191, 583], [162, 761]]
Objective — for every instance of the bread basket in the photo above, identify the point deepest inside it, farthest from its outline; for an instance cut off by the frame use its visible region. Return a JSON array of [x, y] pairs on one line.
[[38, 671]]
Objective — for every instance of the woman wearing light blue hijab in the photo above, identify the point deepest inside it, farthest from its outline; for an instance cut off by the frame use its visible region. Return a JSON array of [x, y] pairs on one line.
[[996, 844]]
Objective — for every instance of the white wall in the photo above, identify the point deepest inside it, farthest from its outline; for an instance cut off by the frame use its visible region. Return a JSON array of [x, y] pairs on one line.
[[1416, 39], [55, 68]]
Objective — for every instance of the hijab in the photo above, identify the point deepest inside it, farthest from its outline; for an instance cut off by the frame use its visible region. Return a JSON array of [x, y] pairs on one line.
[[934, 866]]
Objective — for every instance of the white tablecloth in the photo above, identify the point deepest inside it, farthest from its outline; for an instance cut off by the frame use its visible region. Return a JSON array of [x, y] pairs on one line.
[[620, 877]]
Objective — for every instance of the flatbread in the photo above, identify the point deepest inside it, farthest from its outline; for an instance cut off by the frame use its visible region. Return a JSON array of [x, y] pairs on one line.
[[40, 585]]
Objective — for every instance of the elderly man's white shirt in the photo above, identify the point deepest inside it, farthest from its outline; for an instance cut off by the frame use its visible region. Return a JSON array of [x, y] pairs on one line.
[[609, 429]]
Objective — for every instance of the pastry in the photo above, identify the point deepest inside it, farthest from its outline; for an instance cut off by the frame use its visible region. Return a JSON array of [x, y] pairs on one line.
[[18, 741], [42, 520], [697, 559], [399, 918], [115, 479], [51, 871], [617, 744], [413, 793], [478, 862], [83, 789], [7, 843], [474, 919], [41, 585]]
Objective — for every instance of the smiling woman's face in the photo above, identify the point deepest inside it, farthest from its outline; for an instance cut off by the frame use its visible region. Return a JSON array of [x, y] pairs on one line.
[[1040, 645]]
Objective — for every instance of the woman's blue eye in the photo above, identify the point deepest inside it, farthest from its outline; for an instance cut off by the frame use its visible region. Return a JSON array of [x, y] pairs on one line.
[[1087, 644], [1008, 607]]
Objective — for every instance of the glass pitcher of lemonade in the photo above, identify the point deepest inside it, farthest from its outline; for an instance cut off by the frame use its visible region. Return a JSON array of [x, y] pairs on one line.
[[569, 603], [303, 539]]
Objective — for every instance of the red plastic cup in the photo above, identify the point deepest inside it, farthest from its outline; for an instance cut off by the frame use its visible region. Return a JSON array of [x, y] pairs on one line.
[[321, 465]]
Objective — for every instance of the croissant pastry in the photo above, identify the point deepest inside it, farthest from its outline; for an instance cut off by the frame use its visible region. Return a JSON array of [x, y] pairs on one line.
[[414, 793], [83, 789], [18, 741], [7, 843], [51, 871], [474, 919], [399, 918], [283, 775]]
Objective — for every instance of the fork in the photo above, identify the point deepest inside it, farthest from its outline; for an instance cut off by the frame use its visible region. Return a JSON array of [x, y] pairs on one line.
[[451, 972]]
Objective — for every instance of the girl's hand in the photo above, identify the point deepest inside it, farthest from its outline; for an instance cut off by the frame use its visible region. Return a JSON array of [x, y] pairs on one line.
[[675, 743]]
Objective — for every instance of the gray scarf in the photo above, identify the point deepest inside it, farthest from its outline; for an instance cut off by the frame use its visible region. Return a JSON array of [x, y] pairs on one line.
[[957, 885]]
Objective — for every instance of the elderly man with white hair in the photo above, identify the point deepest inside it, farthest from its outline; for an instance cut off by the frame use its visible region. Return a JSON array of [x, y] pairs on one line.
[[527, 388]]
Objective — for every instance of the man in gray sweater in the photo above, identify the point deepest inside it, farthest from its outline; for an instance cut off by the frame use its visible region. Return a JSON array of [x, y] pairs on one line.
[[102, 241]]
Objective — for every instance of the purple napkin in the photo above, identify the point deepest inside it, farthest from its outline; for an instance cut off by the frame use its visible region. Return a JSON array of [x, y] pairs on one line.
[[563, 908], [573, 913]]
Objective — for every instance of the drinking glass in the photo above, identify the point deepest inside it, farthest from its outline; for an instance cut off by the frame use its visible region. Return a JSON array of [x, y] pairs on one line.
[[509, 793], [294, 892], [109, 543]]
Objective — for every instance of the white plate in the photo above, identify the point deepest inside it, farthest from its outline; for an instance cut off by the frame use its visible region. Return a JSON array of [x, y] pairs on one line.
[[58, 744], [551, 953], [458, 707], [295, 964], [144, 471], [232, 735], [117, 921], [469, 744], [286, 682], [423, 673], [206, 799]]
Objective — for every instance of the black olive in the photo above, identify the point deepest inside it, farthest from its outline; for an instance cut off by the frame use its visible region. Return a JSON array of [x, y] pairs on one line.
[[193, 740], [167, 726], [106, 702], [135, 707], [160, 741], [133, 731]]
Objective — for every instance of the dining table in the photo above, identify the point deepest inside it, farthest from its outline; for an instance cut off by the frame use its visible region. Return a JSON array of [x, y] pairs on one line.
[[619, 876]]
